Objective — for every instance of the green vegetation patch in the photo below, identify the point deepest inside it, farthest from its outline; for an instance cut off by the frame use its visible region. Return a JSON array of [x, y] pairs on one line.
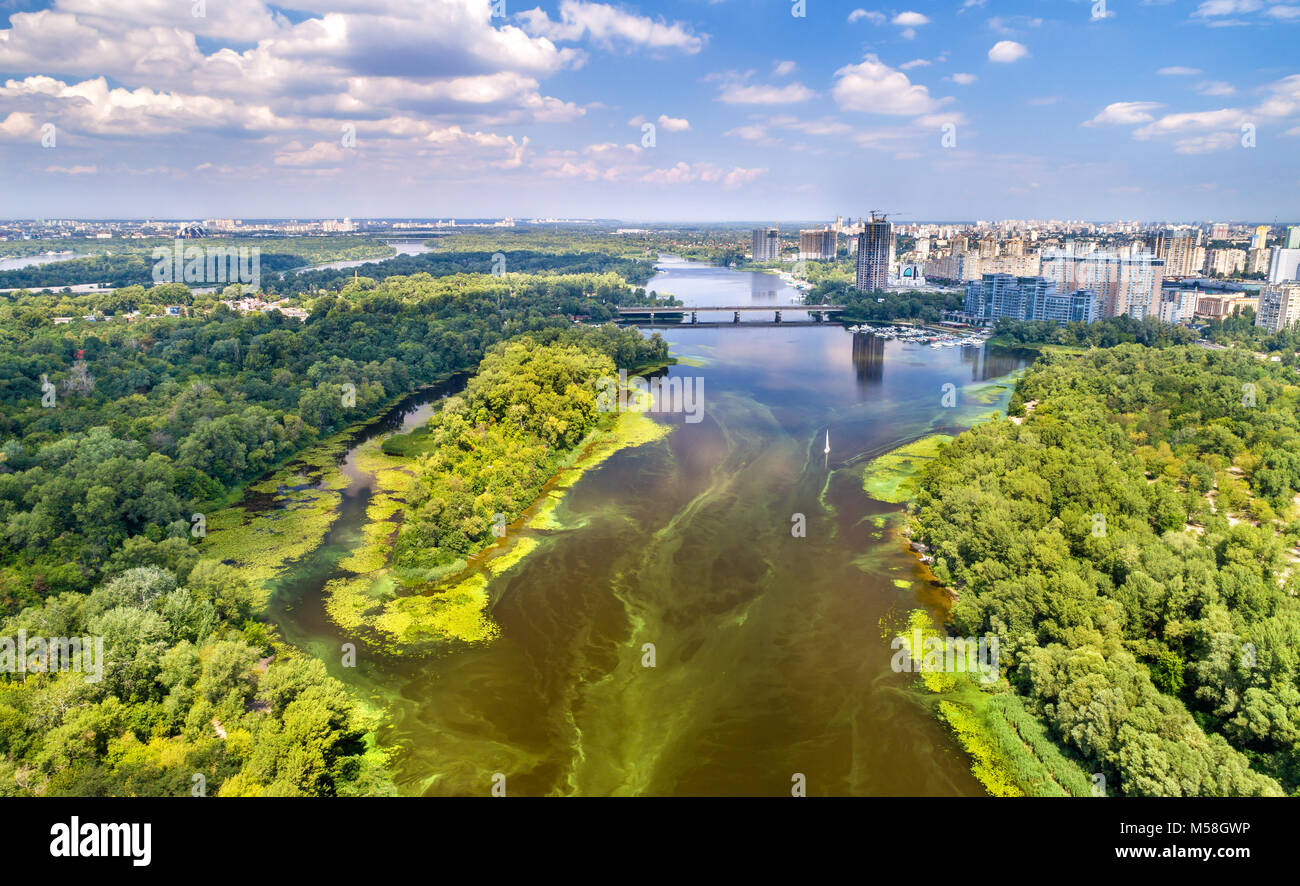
[[1130, 534], [490, 458], [1010, 750], [892, 477]]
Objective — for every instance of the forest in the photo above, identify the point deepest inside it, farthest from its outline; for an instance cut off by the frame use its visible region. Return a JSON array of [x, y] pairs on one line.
[[116, 438], [119, 263], [875, 307], [156, 420], [196, 698], [493, 448], [1104, 333], [439, 264], [1130, 533]]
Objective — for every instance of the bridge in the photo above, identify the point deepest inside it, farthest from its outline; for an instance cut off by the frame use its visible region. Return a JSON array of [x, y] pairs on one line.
[[818, 313]]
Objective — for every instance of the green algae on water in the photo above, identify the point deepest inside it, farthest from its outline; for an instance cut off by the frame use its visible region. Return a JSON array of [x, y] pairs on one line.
[[892, 477]]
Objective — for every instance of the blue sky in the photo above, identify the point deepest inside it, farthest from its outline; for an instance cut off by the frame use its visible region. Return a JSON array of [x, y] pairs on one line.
[[1181, 110]]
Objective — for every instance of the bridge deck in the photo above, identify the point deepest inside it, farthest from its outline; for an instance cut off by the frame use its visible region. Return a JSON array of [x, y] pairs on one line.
[[700, 309], [748, 324]]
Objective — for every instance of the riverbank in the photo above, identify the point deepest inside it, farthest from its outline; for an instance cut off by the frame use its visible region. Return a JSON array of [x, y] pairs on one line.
[[1005, 341], [1011, 753], [265, 525], [395, 613]]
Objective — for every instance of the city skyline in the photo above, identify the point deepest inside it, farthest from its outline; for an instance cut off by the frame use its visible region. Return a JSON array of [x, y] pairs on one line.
[[975, 109]]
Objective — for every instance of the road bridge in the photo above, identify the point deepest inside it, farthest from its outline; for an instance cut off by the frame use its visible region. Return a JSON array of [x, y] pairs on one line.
[[818, 313]]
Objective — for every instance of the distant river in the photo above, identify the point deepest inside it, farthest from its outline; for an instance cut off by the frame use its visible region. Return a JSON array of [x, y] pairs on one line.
[[772, 652], [27, 261], [404, 247]]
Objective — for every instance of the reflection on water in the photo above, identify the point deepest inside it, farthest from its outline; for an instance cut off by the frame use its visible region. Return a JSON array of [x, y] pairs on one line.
[[988, 363], [868, 357], [771, 651]]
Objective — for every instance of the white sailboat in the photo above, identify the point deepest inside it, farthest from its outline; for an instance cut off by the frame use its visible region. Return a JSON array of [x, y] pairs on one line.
[[827, 450]]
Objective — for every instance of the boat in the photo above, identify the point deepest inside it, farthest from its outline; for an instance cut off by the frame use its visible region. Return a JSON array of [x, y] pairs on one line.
[[827, 450]]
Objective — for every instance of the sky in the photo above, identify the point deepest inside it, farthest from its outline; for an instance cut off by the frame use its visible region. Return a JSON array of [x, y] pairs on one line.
[[689, 110]]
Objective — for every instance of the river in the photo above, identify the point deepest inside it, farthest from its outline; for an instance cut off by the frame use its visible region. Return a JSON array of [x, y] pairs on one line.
[[403, 247], [771, 651], [45, 258]]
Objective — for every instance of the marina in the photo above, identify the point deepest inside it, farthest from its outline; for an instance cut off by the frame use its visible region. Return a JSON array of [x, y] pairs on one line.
[[920, 335]]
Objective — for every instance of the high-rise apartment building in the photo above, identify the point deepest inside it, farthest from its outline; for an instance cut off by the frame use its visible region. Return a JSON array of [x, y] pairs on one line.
[[767, 244], [1219, 231], [1260, 240], [1257, 261], [1225, 262], [1279, 306], [875, 254], [1125, 284], [818, 245], [1019, 266], [998, 296], [958, 267], [1284, 266], [1292, 240], [1181, 252], [1178, 305]]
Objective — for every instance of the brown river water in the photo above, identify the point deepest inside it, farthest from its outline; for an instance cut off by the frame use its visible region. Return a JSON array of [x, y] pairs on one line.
[[771, 652]]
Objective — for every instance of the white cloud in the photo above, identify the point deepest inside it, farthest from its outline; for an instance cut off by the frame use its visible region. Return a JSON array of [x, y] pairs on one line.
[[610, 26], [876, 18], [1284, 12], [914, 63], [938, 121], [737, 90], [422, 80], [19, 126], [319, 154], [824, 126], [689, 173], [91, 107], [1178, 71], [962, 79], [1007, 51], [1124, 114], [783, 69], [673, 124], [1213, 8], [1206, 144], [751, 132], [245, 20], [1215, 87], [1200, 132], [1010, 26], [875, 87], [910, 20], [1224, 118]]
